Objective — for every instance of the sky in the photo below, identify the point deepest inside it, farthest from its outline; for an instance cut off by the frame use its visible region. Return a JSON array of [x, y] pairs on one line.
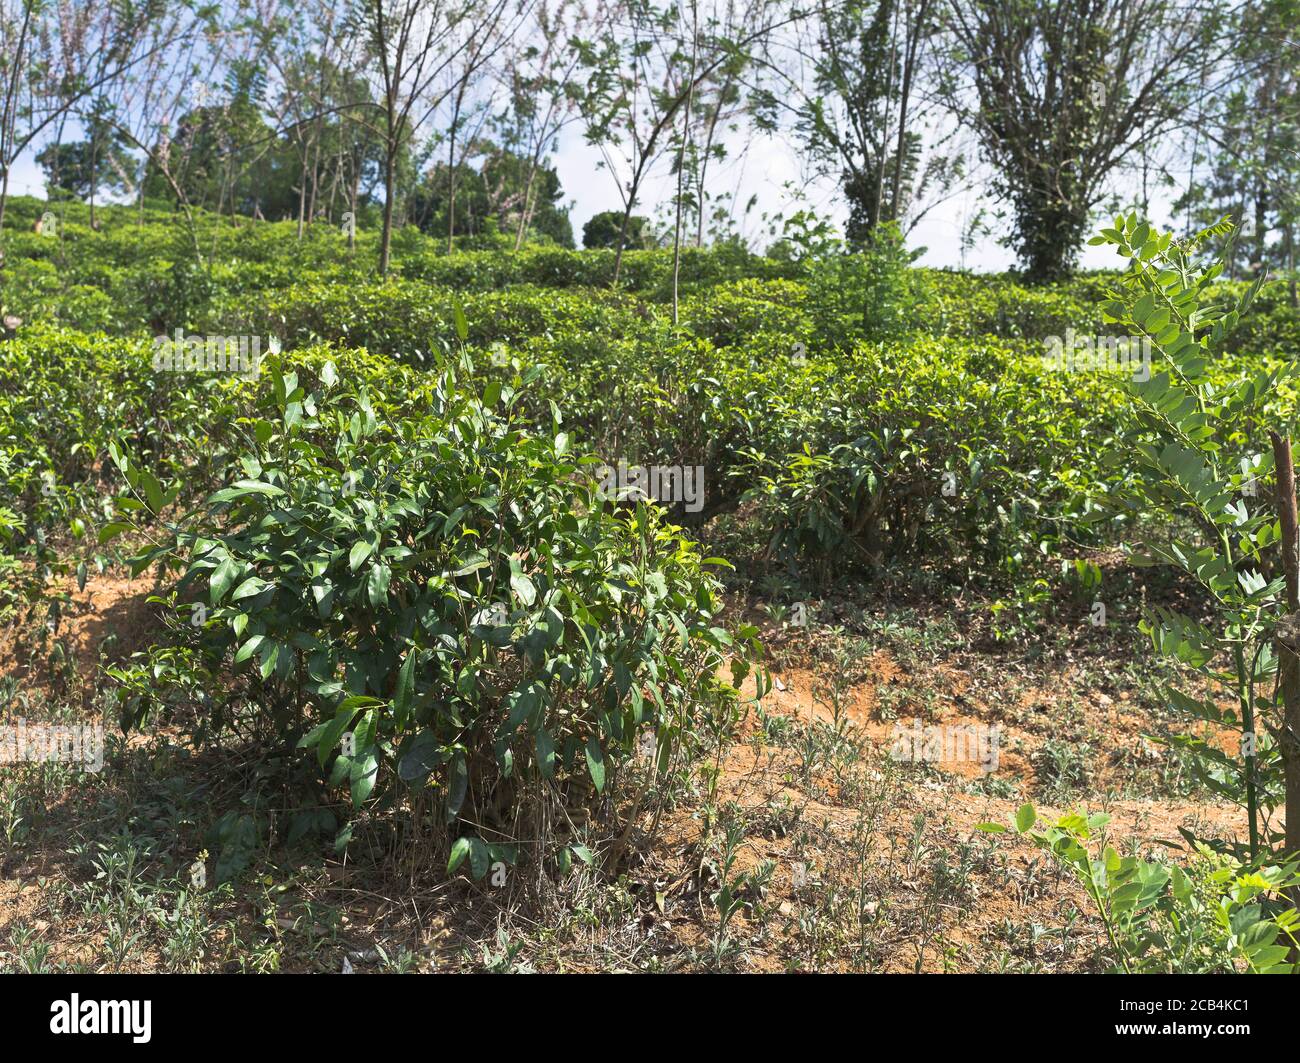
[[767, 167]]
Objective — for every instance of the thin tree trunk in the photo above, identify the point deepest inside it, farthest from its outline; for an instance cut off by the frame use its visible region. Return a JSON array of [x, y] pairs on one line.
[[681, 159], [386, 240], [315, 171], [352, 229], [1287, 631], [333, 194], [884, 139], [704, 162], [622, 236], [451, 169], [909, 66], [526, 209], [1290, 265], [9, 117]]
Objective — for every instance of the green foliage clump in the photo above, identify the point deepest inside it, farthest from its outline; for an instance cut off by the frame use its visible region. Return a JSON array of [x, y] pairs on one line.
[[416, 587], [64, 397], [1214, 916], [1195, 441], [606, 228]]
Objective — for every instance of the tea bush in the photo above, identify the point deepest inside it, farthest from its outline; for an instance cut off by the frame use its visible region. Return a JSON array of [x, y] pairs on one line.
[[64, 397], [415, 586], [772, 380]]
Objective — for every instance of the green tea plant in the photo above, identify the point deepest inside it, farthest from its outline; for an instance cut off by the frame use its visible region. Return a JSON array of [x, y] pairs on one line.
[[865, 295], [1195, 438], [420, 590], [1214, 916], [970, 460], [54, 479]]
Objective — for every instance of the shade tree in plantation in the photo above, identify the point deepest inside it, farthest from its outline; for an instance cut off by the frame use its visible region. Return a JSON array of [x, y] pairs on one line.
[[413, 47], [1063, 94], [539, 90], [1244, 158], [609, 228], [492, 185], [642, 65], [853, 86], [81, 168]]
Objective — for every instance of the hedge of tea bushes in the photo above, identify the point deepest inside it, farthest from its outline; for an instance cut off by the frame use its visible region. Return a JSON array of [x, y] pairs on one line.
[[64, 395], [847, 455], [142, 263], [412, 322], [838, 399]]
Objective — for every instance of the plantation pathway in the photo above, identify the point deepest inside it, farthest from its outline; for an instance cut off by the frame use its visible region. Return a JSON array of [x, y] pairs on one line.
[[932, 892]]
